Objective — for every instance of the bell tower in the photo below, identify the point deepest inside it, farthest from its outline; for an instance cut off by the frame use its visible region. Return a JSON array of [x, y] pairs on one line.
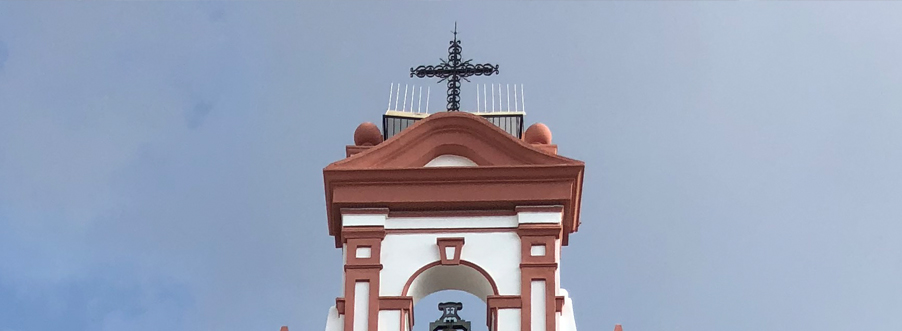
[[452, 201]]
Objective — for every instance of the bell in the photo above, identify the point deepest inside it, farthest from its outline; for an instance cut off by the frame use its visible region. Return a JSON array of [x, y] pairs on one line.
[[450, 321]]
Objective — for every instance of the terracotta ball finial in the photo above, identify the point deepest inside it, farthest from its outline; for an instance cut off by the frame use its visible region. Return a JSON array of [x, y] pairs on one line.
[[538, 134], [367, 134]]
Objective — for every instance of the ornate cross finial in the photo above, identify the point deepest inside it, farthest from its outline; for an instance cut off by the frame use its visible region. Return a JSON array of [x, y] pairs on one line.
[[453, 70], [450, 321]]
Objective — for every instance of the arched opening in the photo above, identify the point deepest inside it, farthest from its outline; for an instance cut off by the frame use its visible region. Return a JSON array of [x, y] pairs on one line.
[[434, 283]]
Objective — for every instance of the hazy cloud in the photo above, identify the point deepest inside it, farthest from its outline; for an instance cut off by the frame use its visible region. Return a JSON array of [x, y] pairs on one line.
[[195, 116]]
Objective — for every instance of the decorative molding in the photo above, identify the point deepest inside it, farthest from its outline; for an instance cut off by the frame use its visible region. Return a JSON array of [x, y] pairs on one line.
[[364, 211], [375, 247], [539, 265], [362, 232], [340, 305], [538, 268], [539, 229], [558, 304], [526, 243], [351, 149], [365, 274], [362, 270], [496, 302], [504, 301], [402, 303], [363, 267], [540, 209], [444, 243], [511, 173], [395, 303]]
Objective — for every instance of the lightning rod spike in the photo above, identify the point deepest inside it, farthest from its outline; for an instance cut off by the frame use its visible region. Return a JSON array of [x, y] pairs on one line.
[[390, 89]]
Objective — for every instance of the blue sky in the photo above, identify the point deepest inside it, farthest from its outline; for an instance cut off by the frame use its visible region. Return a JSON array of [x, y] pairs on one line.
[[160, 162]]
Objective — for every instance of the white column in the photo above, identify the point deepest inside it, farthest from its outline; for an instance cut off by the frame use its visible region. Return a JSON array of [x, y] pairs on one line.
[[361, 306], [537, 305]]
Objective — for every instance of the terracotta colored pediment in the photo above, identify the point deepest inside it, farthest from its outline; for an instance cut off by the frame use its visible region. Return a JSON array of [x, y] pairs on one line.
[[452, 133], [509, 173]]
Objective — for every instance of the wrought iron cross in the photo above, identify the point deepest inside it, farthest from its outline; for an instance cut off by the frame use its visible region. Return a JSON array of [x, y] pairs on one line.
[[453, 70]]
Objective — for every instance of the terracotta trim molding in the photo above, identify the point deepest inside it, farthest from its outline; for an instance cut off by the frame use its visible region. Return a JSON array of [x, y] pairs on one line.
[[340, 305], [504, 301], [375, 246], [443, 245], [526, 243], [511, 173], [352, 277], [395, 303], [450, 230], [539, 266], [559, 304], [540, 209], [365, 269], [364, 211], [457, 188], [549, 148], [496, 302], [527, 275], [539, 229], [362, 232], [542, 268], [404, 304], [351, 149]]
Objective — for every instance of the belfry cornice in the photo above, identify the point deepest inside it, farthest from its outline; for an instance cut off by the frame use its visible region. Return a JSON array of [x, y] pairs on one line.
[[509, 173]]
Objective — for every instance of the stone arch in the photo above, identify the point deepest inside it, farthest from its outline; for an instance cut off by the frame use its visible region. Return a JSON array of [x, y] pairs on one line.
[[466, 276]]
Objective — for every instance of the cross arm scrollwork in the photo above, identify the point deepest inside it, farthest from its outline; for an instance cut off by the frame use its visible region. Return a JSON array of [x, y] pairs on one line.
[[453, 70]]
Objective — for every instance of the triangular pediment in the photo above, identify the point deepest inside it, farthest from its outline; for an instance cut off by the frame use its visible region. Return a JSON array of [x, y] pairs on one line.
[[452, 134]]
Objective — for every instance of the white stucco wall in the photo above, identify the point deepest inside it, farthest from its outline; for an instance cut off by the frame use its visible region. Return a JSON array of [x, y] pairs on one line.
[[498, 253], [527, 217], [451, 222], [567, 321], [508, 320], [389, 320], [495, 248], [334, 322]]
